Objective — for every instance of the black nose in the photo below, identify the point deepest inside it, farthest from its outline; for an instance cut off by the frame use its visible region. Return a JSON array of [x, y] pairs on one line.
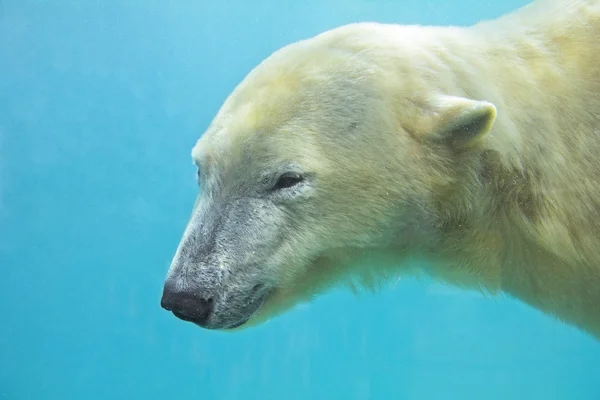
[[187, 306]]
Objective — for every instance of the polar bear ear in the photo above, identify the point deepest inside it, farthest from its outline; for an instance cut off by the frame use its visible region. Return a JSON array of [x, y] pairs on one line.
[[458, 121]]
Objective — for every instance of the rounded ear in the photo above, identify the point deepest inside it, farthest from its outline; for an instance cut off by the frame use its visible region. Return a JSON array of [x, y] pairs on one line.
[[458, 122]]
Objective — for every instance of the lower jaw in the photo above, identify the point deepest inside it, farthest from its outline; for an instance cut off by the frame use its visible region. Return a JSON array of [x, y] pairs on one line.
[[237, 324], [251, 319]]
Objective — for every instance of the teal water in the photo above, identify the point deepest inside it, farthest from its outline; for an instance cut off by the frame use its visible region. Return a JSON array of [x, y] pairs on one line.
[[100, 104]]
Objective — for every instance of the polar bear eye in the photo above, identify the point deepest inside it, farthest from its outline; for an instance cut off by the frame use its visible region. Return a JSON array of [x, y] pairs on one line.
[[288, 180]]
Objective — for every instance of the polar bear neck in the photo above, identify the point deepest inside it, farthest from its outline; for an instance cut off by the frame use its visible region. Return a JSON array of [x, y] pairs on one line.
[[532, 211]]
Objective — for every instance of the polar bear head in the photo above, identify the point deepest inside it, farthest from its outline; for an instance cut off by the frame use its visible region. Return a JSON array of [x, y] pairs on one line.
[[326, 160]]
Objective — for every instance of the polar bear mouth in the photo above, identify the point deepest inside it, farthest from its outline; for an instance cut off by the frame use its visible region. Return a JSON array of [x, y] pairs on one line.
[[219, 312], [238, 324], [259, 296], [187, 318]]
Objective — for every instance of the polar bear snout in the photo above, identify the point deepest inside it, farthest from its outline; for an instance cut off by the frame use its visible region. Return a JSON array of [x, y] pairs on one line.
[[229, 308], [219, 277]]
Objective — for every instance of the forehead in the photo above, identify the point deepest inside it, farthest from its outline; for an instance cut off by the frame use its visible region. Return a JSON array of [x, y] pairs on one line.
[[245, 129], [298, 91], [268, 98]]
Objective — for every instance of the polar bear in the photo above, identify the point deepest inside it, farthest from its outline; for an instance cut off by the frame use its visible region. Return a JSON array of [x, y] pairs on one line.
[[341, 158]]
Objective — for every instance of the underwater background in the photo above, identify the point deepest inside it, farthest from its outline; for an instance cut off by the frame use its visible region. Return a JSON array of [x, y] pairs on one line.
[[100, 105]]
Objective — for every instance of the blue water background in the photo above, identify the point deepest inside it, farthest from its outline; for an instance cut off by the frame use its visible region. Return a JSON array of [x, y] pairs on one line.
[[100, 104]]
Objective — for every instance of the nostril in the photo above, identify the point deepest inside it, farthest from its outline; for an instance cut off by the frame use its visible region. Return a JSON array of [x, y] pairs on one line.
[[188, 306], [257, 287], [199, 307]]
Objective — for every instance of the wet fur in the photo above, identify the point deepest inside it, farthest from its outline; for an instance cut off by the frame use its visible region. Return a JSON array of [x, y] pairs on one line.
[[518, 210]]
